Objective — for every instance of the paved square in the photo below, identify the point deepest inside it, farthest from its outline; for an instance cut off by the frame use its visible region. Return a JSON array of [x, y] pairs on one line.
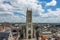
[[29, 39]]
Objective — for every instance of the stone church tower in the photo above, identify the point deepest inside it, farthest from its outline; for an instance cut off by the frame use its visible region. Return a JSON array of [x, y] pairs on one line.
[[29, 27]]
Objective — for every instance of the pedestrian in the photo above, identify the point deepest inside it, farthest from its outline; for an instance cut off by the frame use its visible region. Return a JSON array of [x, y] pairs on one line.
[[40, 38], [49, 38], [37, 33]]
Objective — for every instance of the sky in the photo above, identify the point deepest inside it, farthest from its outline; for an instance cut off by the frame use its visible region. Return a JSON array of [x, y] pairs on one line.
[[43, 11]]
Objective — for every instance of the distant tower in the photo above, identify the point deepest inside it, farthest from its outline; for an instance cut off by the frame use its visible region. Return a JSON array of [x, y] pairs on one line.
[[29, 27]]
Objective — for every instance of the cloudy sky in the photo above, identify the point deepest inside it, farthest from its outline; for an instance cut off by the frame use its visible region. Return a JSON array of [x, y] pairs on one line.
[[43, 11]]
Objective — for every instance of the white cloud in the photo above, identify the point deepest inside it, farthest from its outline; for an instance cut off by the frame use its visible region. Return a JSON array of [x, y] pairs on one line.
[[51, 13], [10, 17], [52, 3], [6, 9], [22, 5], [54, 13], [49, 17]]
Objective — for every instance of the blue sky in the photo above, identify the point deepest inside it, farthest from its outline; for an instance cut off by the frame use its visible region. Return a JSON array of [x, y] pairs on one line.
[[43, 11]]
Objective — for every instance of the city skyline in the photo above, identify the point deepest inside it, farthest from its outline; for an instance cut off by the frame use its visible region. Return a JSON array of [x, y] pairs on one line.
[[43, 11]]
